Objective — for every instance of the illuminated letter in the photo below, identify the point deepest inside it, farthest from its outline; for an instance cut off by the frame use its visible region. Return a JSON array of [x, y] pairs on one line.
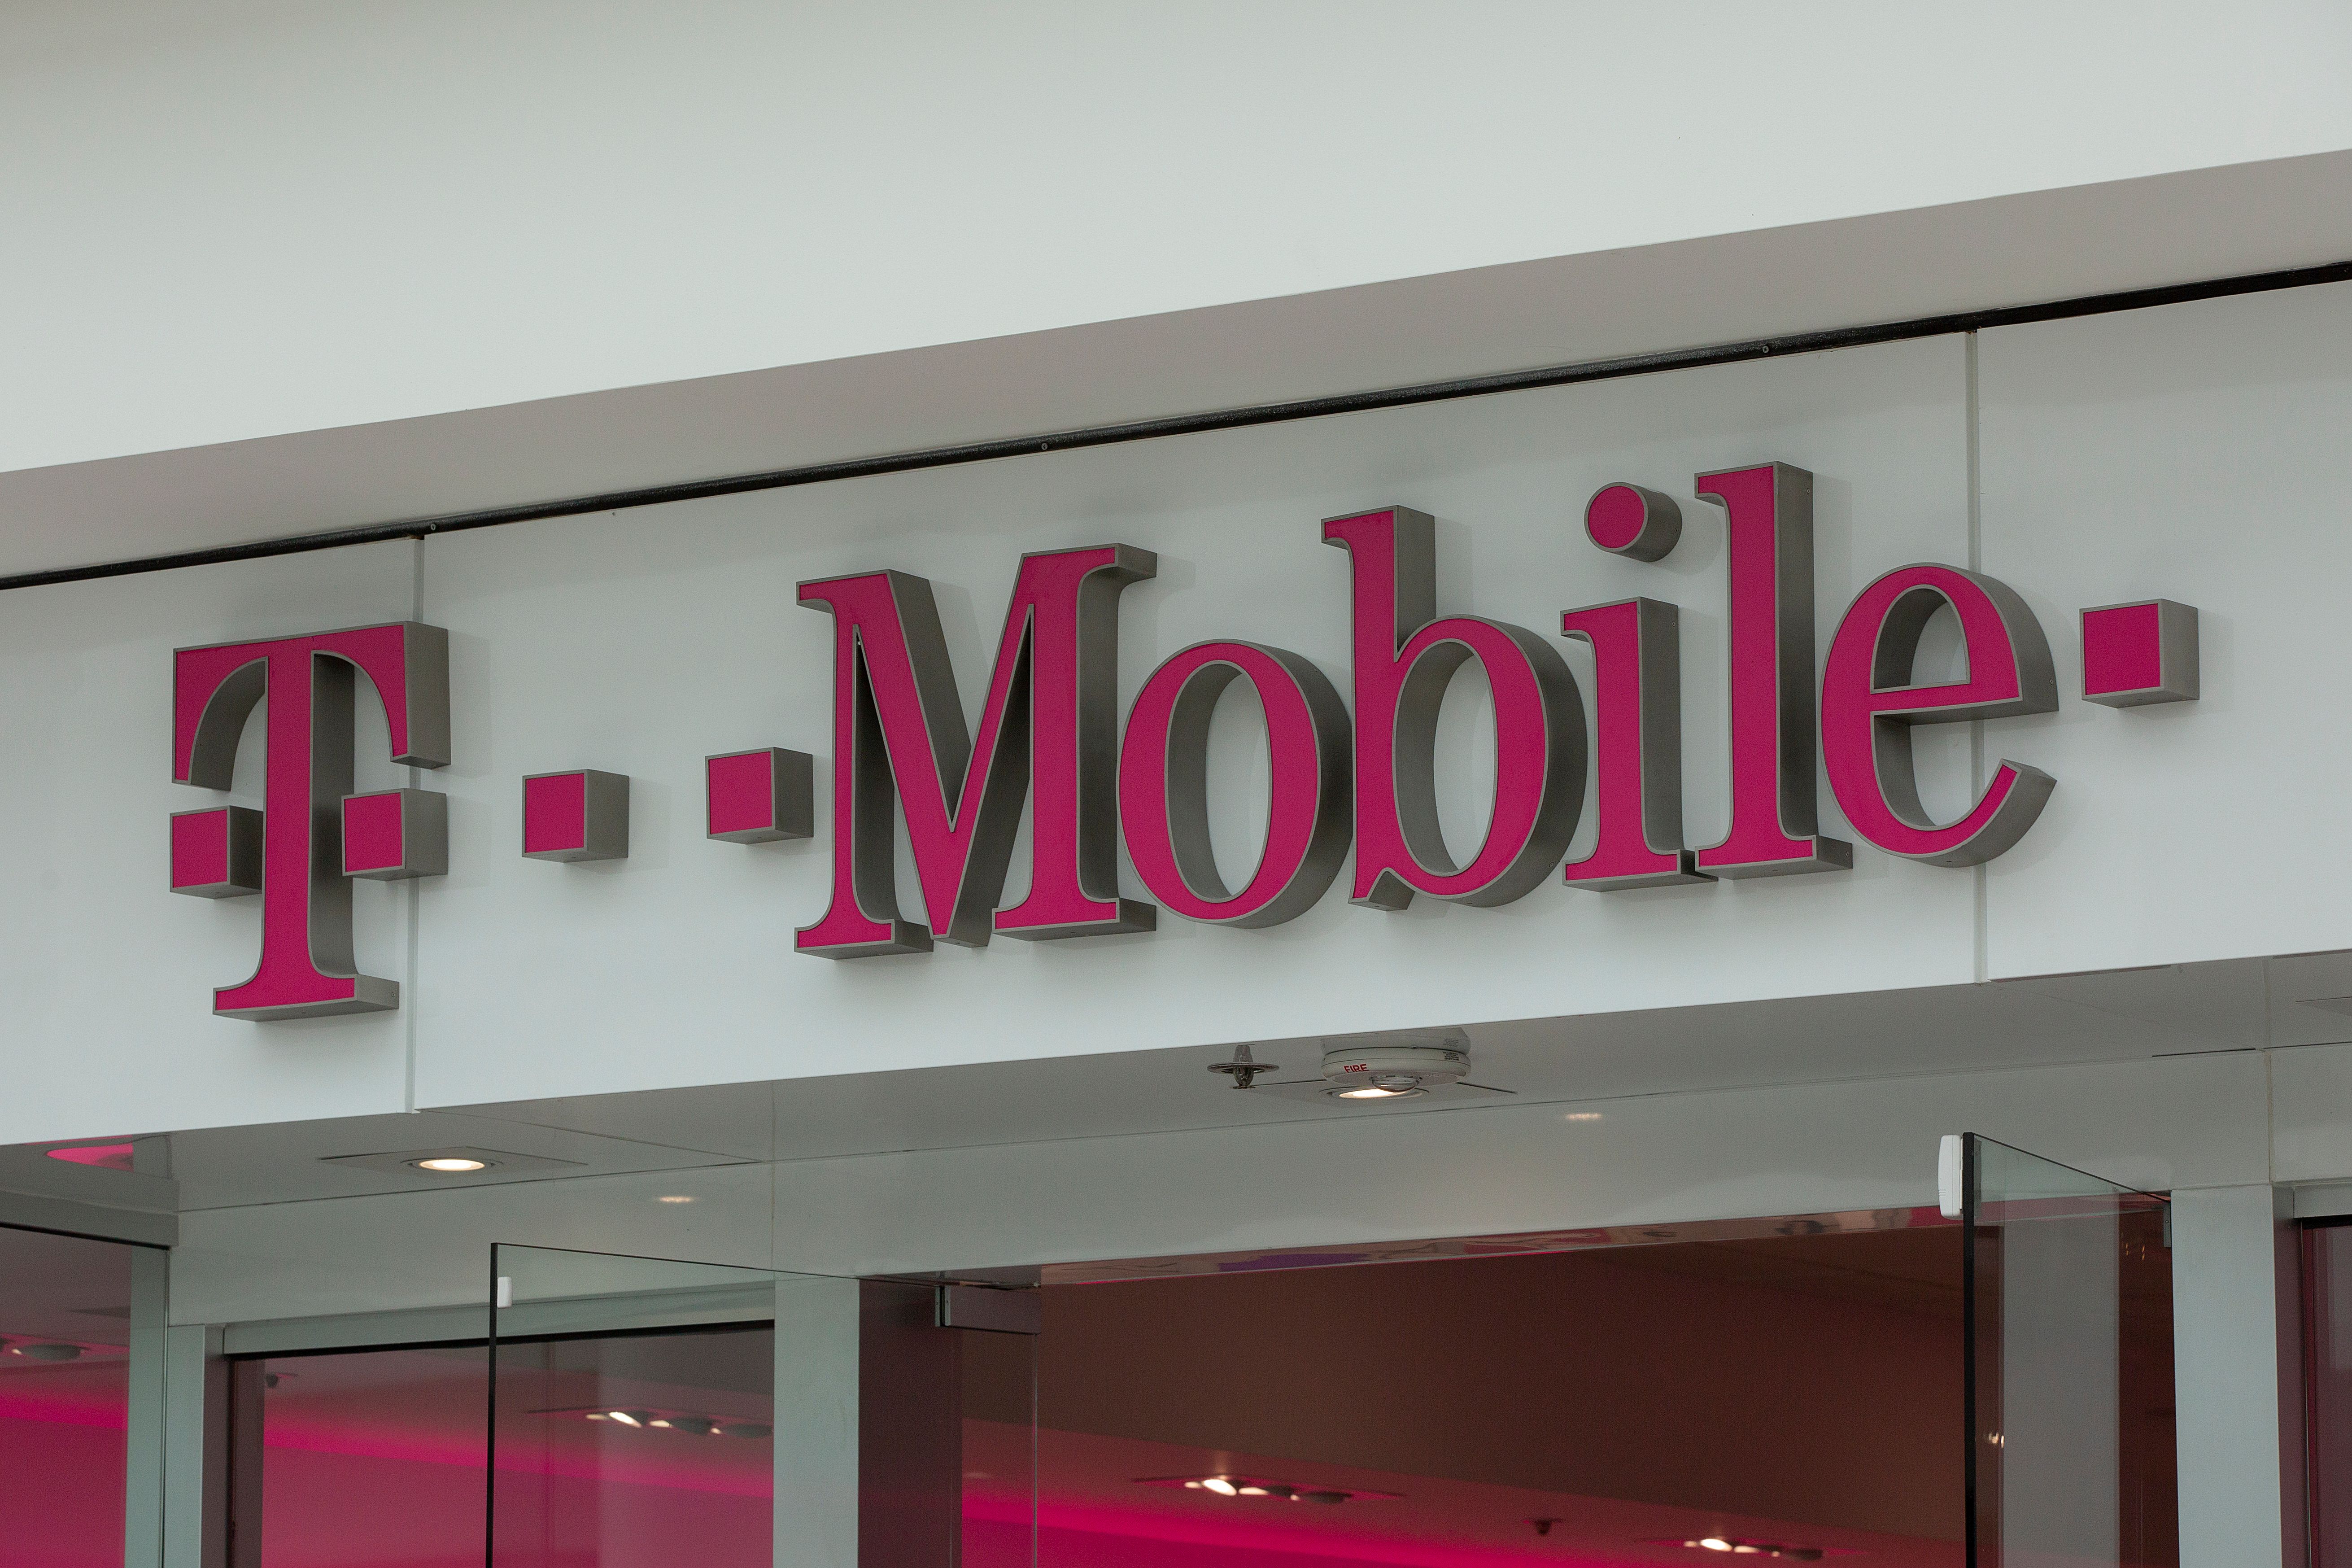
[[1770, 564], [1403, 657], [1164, 784], [1637, 746], [1868, 706], [307, 968], [899, 731]]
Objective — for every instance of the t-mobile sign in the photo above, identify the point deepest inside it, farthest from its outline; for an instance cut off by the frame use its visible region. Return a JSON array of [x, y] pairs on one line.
[[1355, 772]]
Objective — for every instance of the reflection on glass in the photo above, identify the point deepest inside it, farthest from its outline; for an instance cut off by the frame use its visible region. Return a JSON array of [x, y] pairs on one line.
[[2070, 1367], [634, 1415], [999, 1511], [65, 1315], [649, 1412], [639, 1451], [1791, 1393], [370, 1457]]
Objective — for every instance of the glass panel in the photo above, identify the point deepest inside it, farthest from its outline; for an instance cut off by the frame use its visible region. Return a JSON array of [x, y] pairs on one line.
[[65, 1398], [648, 1413], [633, 1420], [1790, 1394], [370, 1457], [2069, 1379], [999, 1501]]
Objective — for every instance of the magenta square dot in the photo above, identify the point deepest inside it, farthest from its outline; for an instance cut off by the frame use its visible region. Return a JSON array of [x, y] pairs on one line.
[[372, 836], [742, 789], [2123, 648], [200, 848], [554, 813]]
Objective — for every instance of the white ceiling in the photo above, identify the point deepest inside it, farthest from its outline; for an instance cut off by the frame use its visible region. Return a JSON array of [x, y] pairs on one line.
[[2233, 1006]]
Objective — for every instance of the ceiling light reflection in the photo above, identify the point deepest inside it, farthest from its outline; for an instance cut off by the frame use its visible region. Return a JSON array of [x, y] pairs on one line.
[[685, 1423], [1739, 1547], [1262, 1487]]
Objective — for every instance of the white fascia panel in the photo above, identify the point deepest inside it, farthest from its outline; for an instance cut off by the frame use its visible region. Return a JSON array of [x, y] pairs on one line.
[[416, 234]]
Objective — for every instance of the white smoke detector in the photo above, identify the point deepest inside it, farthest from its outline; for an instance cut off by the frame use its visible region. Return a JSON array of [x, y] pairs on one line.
[[1396, 1069]]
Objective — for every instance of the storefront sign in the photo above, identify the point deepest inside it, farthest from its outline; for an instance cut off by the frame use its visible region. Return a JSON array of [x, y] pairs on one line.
[[1342, 773], [307, 967]]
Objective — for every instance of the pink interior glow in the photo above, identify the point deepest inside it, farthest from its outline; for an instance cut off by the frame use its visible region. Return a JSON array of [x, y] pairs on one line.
[[62, 1448], [109, 1156], [62, 1507], [1092, 1513], [1800, 1388]]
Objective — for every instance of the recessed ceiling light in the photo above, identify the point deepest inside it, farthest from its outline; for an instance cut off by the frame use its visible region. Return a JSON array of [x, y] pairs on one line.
[[1222, 1487], [440, 1160], [674, 1198]]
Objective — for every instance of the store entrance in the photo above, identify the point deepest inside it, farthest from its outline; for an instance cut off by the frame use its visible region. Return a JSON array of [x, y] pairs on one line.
[[1989, 1386], [1988, 1383]]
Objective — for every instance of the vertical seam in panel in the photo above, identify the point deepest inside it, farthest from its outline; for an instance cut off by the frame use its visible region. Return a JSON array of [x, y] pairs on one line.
[[2270, 1088], [411, 886], [1976, 459], [2263, 1052], [1981, 921]]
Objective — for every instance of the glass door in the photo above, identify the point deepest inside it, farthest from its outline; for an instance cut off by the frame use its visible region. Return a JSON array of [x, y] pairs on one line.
[[2067, 1289], [646, 1413], [77, 1317]]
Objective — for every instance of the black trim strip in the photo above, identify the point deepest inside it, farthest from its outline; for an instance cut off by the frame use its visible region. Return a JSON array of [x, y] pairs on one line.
[[92, 1235], [368, 1348], [1214, 419]]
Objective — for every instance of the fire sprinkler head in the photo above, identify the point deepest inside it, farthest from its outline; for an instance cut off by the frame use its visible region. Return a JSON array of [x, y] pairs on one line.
[[1244, 1068]]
